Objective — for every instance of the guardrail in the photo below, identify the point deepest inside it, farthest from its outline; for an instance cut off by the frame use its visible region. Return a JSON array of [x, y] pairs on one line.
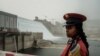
[[5, 53]]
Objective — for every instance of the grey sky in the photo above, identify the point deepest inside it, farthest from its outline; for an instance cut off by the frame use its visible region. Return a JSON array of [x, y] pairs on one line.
[[50, 9]]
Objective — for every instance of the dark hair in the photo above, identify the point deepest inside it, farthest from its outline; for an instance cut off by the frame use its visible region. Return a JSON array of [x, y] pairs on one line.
[[82, 35]]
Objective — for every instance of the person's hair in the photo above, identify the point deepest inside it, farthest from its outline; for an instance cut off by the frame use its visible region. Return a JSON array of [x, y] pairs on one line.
[[81, 34]]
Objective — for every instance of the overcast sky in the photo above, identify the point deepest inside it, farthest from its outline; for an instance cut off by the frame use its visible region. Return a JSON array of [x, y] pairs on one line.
[[51, 9]]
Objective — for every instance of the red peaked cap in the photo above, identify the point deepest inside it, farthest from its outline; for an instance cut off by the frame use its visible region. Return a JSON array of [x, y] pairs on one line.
[[74, 15]]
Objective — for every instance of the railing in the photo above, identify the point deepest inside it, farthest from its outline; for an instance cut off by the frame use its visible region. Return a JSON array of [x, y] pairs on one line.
[[5, 53]]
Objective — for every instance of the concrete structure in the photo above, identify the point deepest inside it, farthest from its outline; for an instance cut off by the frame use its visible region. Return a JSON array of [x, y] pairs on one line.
[[56, 29], [24, 40], [8, 21], [19, 33], [25, 25]]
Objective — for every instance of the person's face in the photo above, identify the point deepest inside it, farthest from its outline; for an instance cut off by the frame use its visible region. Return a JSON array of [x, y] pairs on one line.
[[71, 31]]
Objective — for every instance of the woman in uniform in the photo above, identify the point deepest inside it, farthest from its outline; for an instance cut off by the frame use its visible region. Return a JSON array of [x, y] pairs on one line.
[[77, 44]]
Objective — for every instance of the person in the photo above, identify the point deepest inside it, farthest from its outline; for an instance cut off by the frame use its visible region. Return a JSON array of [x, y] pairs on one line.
[[77, 44]]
